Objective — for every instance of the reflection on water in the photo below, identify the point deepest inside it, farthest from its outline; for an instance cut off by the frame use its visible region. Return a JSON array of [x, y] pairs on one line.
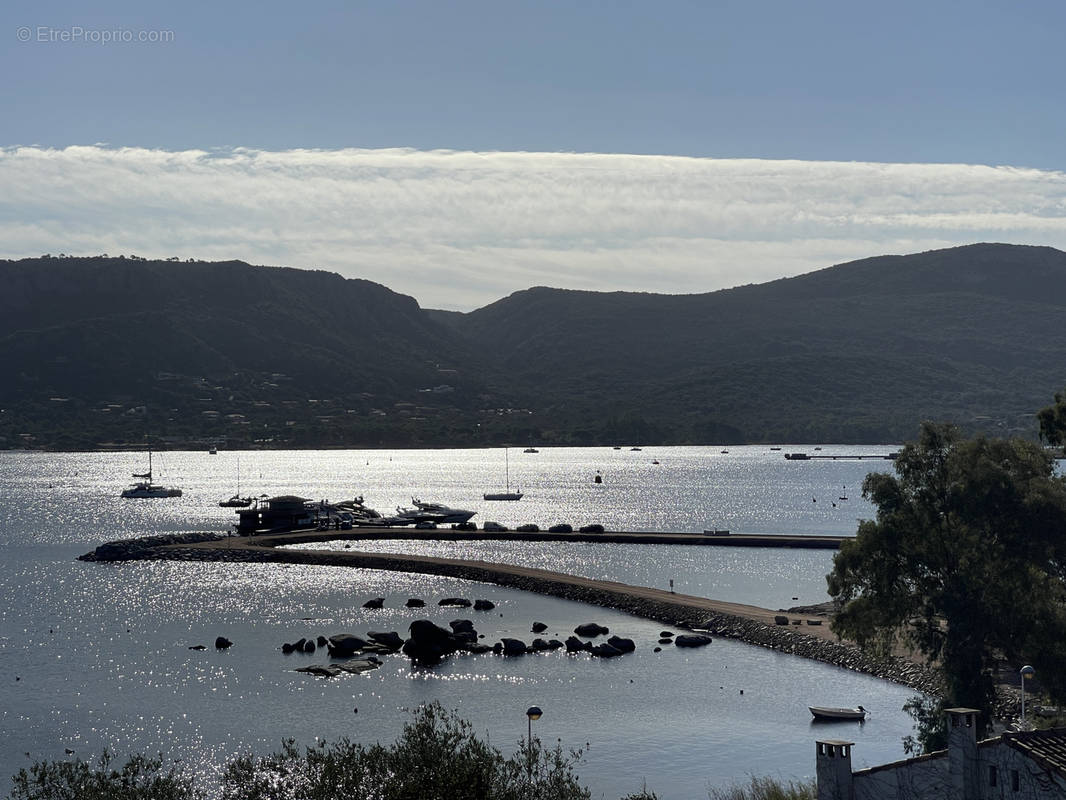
[[102, 650]]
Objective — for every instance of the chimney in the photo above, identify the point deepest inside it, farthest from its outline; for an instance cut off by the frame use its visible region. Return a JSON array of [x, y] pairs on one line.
[[962, 752], [833, 759]]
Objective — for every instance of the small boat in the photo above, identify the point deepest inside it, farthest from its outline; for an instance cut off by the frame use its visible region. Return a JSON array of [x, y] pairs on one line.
[[213, 451], [508, 494], [236, 501], [146, 489], [838, 714]]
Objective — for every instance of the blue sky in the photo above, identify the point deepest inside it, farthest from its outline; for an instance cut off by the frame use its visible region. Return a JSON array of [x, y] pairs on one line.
[[722, 84]]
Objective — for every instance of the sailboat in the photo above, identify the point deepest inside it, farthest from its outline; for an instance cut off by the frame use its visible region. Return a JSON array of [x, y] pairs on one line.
[[237, 501], [507, 495], [145, 488]]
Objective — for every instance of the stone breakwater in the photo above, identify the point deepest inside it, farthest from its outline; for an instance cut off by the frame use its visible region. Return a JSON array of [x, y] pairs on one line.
[[677, 610], [146, 546]]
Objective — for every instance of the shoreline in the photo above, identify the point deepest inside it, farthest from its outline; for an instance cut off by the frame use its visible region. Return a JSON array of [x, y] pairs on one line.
[[806, 633]]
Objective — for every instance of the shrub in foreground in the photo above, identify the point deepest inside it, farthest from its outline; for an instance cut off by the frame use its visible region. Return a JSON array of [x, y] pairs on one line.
[[767, 789]]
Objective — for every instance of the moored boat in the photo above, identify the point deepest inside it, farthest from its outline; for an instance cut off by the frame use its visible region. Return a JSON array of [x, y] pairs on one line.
[[146, 489], [236, 501], [831, 714], [507, 494], [428, 512]]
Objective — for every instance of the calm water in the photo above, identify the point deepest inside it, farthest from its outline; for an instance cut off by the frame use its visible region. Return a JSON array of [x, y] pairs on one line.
[[101, 657]]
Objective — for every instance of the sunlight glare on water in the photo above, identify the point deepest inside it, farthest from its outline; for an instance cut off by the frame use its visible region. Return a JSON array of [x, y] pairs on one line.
[[102, 650]]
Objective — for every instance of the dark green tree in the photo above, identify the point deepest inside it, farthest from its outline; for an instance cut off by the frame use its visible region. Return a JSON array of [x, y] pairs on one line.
[[1053, 421], [965, 562]]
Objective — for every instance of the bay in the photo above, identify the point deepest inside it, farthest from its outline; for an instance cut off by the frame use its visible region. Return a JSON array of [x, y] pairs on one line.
[[101, 650]]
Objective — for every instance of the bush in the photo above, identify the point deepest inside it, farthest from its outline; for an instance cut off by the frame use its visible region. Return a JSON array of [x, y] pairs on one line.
[[767, 789], [437, 757], [141, 778]]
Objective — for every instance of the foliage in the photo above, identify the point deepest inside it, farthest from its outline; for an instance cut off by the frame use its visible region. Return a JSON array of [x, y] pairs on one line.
[[930, 725], [965, 561], [437, 757], [140, 778], [767, 789], [1052, 420]]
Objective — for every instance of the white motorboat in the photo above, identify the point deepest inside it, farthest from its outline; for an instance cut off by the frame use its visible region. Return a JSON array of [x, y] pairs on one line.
[[146, 489], [358, 513], [838, 714], [429, 512], [508, 494]]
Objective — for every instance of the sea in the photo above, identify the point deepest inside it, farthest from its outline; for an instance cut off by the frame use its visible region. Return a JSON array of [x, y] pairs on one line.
[[97, 656]]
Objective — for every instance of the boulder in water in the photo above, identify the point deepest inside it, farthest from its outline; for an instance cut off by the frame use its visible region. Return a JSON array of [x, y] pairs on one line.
[[391, 639], [590, 630], [429, 643], [454, 601], [513, 647], [692, 640]]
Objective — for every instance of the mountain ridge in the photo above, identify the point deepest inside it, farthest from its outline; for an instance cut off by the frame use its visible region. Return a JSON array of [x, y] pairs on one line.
[[860, 351]]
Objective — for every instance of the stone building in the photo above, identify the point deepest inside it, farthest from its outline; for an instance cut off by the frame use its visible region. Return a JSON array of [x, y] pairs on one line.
[[1024, 764]]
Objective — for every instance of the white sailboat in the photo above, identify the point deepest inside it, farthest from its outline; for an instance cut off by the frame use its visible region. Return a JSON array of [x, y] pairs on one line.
[[145, 488], [506, 495]]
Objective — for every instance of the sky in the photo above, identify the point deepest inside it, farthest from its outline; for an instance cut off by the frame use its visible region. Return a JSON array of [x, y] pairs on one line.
[[461, 151]]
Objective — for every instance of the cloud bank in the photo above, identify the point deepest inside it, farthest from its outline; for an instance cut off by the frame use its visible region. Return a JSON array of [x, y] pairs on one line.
[[459, 230]]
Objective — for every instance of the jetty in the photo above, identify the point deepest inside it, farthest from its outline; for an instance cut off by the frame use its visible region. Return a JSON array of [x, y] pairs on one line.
[[719, 538], [842, 456]]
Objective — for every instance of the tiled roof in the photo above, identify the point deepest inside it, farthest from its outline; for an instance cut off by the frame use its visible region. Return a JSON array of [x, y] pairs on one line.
[[1046, 747]]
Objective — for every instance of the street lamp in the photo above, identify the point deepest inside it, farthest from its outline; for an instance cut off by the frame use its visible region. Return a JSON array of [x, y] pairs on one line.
[[1025, 672], [532, 713]]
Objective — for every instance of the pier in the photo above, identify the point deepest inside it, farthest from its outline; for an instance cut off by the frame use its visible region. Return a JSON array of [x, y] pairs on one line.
[[720, 539], [842, 456]]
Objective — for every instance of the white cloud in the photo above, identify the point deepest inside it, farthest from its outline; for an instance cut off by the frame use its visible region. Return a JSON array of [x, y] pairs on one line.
[[461, 229]]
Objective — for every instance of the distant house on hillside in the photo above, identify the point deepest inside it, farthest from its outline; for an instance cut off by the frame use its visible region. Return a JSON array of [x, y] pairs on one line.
[[1029, 764]]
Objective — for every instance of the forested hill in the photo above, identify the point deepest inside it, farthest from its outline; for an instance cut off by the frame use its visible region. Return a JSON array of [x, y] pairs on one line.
[[855, 352], [99, 351]]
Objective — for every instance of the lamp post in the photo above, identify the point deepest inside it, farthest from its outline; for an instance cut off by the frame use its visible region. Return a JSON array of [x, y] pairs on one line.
[[532, 713], [1025, 672]]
